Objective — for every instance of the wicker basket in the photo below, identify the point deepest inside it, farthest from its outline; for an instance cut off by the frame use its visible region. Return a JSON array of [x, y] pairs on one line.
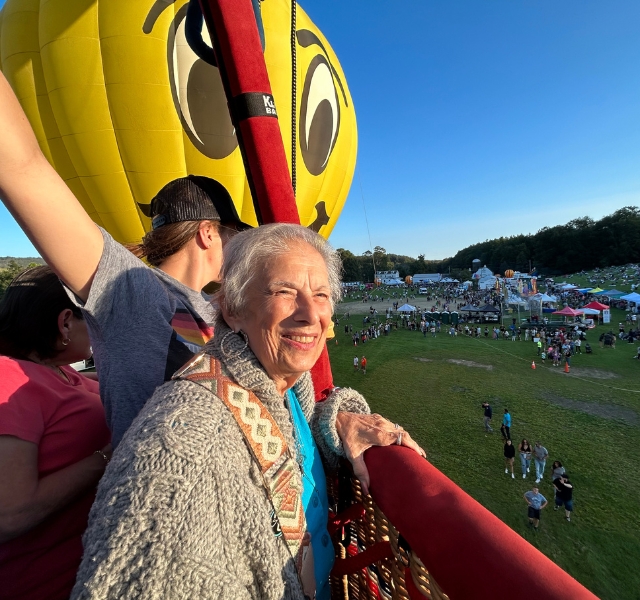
[[386, 578]]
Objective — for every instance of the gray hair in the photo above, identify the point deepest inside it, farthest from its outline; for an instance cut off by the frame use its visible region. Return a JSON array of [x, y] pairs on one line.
[[248, 252]]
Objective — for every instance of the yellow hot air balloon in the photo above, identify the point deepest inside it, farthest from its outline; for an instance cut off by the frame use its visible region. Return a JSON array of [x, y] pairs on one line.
[[121, 105], [509, 273]]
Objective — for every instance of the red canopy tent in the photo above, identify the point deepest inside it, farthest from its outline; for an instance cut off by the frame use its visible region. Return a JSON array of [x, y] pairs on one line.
[[596, 305], [567, 311]]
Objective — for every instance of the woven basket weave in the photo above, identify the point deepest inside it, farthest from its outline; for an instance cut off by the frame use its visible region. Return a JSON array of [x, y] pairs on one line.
[[386, 578]]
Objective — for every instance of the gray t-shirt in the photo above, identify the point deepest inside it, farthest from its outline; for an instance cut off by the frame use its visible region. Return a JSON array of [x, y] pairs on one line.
[[540, 452], [536, 500], [144, 325]]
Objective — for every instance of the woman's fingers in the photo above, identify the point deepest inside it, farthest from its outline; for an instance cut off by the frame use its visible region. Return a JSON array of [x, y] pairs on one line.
[[359, 432], [361, 472], [409, 442]]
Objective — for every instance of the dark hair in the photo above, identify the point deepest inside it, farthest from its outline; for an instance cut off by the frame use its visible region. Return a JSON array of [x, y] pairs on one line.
[[159, 244], [29, 314]]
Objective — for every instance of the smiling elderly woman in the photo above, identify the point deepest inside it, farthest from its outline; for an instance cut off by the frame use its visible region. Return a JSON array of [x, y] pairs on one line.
[[217, 490]]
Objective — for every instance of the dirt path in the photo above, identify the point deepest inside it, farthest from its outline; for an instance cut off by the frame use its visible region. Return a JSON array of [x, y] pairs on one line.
[[589, 372], [362, 308], [604, 411], [458, 361]]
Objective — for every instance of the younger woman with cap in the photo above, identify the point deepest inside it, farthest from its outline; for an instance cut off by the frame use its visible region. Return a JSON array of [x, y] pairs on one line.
[[144, 322]]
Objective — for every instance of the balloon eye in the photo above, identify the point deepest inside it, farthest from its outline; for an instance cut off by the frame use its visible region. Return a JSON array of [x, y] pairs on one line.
[[319, 116], [198, 95]]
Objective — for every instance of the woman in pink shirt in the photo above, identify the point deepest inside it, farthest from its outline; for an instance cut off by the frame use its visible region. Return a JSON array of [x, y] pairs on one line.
[[54, 441]]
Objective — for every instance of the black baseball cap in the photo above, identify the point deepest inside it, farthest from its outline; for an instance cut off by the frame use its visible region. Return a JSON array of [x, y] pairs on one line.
[[193, 198]]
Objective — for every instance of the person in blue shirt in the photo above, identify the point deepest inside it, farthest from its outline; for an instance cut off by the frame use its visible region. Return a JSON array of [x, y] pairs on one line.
[[506, 425], [536, 502]]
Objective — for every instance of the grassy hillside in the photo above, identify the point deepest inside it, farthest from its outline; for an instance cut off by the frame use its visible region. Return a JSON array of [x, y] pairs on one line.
[[589, 419], [21, 262]]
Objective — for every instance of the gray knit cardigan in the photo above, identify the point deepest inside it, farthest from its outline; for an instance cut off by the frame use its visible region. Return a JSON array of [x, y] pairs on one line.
[[181, 511]]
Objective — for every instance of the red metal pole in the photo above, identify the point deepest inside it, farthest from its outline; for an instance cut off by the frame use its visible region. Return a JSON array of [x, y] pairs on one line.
[[236, 43]]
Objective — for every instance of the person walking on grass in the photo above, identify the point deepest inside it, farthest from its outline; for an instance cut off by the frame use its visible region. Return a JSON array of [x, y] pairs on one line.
[[488, 415], [540, 459], [525, 457], [363, 364], [509, 454], [564, 495], [536, 502], [505, 428]]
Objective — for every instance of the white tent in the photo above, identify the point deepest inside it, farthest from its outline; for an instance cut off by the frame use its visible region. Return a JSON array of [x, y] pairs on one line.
[[516, 300], [407, 308], [543, 298], [589, 311]]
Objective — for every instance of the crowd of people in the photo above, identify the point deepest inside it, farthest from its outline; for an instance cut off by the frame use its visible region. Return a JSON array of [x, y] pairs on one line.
[[563, 488]]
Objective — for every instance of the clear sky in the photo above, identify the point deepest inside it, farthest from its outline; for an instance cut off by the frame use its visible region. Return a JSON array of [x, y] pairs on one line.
[[479, 118]]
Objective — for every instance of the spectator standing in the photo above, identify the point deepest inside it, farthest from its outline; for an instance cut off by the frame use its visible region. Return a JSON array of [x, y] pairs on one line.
[[540, 459], [536, 502], [488, 415], [506, 425], [363, 364], [509, 454], [355, 363], [525, 457], [564, 495], [558, 470], [54, 439]]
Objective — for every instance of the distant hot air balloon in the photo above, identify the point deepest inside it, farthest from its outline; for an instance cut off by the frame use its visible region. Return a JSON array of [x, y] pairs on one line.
[[509, 273], [121, 104], [408, 280]]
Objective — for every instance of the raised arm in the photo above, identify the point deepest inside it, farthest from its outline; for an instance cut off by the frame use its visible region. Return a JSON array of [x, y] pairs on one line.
[[41, 202]]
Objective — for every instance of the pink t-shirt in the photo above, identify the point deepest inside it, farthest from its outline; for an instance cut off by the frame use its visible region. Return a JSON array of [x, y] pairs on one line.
[[66, 420]]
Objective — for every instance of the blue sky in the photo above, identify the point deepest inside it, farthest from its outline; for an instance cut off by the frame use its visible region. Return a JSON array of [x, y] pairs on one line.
[[479, 118]]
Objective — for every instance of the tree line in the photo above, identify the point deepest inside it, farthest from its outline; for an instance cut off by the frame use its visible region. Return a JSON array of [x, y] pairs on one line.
[[579, 245]]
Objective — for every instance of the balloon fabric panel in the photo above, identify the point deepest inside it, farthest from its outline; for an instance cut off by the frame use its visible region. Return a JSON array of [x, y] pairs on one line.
[[121, 104]]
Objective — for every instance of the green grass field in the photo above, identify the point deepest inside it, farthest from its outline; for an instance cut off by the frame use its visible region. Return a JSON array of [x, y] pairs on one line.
[[589, 419]]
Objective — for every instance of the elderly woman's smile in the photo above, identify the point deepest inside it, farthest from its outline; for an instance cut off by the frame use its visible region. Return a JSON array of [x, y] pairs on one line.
[[288, 313]]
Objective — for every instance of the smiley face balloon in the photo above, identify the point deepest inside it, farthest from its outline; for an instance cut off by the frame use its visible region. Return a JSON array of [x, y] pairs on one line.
[[121, 104]]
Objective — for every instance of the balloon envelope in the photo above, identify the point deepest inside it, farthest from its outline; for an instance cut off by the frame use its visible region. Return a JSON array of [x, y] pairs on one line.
[[121, 105]]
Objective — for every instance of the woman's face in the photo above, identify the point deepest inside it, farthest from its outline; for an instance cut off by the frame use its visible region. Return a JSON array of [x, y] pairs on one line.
[[288, 313]]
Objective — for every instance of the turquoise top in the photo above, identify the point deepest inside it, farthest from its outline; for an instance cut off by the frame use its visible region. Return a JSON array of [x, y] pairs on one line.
[[314, 499]]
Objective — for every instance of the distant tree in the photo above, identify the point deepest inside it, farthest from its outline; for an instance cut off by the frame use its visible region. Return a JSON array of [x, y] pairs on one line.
[[8, 273], [580, 244], [351, 266]]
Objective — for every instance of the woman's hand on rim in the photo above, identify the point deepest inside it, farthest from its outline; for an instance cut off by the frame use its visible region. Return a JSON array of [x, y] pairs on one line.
[[359, 432]]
